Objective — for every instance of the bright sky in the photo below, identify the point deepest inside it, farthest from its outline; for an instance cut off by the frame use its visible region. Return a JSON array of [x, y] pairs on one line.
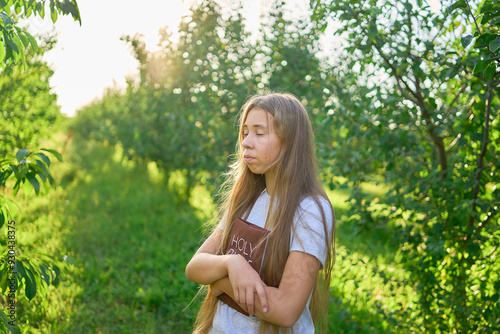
[[89, 58]]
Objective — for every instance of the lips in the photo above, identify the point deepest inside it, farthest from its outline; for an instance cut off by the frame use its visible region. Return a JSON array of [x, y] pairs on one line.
[[249, 158]]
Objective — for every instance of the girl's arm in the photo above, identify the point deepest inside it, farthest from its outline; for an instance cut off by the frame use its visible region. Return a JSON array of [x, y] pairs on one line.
[[287, 302], [205, 268]]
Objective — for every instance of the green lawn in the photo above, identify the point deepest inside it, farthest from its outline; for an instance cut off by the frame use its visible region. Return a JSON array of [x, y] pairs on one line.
[[128, 239]]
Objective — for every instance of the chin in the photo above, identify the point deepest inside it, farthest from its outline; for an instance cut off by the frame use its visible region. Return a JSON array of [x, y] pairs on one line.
[[255, 171]]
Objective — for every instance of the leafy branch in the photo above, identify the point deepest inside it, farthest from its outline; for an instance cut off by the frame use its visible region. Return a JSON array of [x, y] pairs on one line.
[[14, 41], [414, 95]]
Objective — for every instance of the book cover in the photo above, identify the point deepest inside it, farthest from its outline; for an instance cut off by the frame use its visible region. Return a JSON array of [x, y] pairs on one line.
[[249, 241]]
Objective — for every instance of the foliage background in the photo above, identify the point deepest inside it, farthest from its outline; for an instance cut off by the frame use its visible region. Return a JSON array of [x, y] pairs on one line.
[[406, 121]]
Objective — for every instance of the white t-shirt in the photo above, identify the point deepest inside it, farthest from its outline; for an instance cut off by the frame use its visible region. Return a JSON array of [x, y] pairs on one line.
[[309, 237]]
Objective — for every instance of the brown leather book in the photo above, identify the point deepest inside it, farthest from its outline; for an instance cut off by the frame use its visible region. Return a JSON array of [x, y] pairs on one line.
[[245, 240]]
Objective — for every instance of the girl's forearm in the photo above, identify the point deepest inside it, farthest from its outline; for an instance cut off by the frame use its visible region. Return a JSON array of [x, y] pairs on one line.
[[221, 286], [278, 309], [206, 268]]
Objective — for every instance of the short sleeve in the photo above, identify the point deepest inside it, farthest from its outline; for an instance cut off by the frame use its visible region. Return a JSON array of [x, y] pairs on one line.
[[222, 224], [309, 232]]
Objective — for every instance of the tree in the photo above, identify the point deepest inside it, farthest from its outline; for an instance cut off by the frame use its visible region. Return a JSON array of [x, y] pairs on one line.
[[15, 41], [416, 105], [29, 109], [181, 114], [289, 55], [28, 113]]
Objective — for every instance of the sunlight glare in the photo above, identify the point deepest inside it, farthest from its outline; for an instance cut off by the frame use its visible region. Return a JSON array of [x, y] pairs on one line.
[[435, 5], [89, 58]]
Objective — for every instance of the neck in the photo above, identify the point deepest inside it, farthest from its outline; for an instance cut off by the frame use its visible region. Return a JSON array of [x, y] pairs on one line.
[[270, 184]]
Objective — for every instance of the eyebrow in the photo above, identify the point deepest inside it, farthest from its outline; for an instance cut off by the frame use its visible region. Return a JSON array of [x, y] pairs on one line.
[[255, 126]]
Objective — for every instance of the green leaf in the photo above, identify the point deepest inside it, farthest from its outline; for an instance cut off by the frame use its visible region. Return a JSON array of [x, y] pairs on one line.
[[495, 44], [27, 188], [34, 182], [41, 10], [16, 188], [22, 154], [45, 273], [13, 329], [22, 36], [456, 5], [2, 217], [489, 16], [29, 11], [42, 169], [484, 40], [71, 7], [10, 42], [24, 271], [429, 45], [30, 282], [490, 7], [3, 279], [36, 167], [489, 71], [56, 280], [33, 42], [24, 39], [6, 19], [2, 53], [372, 29], [5, 6], [20, 270], [51, 180], [53, 15], [54, 152], [417, 70], [44, 158], [481, 65], [448, 74], [465, 40]]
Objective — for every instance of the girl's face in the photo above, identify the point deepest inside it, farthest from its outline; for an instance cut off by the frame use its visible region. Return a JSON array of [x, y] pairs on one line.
[[261, 144]]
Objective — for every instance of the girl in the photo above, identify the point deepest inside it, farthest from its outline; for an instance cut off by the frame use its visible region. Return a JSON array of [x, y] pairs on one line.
[[274, 184]]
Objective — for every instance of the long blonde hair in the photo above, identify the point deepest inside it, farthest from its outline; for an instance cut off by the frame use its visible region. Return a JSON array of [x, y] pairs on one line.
[[296, 177]]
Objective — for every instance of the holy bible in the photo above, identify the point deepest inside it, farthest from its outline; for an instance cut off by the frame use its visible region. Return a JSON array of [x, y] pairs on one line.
[[249, 241]]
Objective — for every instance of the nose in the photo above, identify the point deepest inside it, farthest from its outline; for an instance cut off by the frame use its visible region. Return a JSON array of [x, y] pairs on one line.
[[247, 142]]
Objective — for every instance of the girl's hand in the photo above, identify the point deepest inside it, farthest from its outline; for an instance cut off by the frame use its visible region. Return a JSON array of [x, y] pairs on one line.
[[246, 282]]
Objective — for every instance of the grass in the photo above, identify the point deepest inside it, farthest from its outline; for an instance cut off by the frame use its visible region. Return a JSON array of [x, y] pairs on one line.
[[129, 240]]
